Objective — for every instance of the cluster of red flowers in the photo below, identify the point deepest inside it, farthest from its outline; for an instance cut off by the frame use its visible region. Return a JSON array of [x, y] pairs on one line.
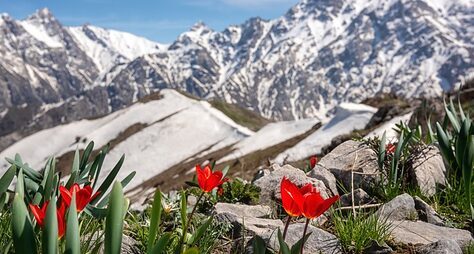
[[306, 201], [83, 197], [390, 148]]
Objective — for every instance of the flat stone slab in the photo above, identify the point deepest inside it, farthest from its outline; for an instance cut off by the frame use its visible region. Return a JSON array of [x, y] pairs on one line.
[[319, 241], [238, 210], [423, 233]]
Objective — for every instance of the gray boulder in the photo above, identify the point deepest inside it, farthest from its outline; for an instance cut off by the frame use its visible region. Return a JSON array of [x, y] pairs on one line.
[[342, 160], [319, 241], [429, 170], [441, 247], [326, 177], [242, 211], [427, 213], [401, 207], [360, 198], [423, 233], [269, 183], [252, 219]]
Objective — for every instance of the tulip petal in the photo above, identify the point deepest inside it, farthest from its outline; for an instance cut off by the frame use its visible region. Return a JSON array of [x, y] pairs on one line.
[[291, 197]]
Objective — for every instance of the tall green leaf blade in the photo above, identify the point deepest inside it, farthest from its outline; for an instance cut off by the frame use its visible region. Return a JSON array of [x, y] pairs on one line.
[[296, 248], [7, 179], [284, 249], [124, 183], [86, 155], [155, 220], [108, 180], [114, 221], [20, 184], [73, 241], [259, 246], [50, 232], [22, 230], [161, 244], [200, 232]]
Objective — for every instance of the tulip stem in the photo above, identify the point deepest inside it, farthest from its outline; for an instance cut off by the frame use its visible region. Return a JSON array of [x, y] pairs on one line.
[[186, 225], [304, 234], [288, 220]]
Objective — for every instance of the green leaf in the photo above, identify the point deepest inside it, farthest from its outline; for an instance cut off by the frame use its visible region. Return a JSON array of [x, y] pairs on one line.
[[20, 184], [86, 155], [98, 213], [259, 245], [31, 173], [200, 232], [284, 249], [444, 144], [7, 179], [184, 209], [162, 243], [95, 172], [296, 248], [48, 179], [114, 221], [108, 180], [22, 230], [124, 183], [155, 221], [73, 241], [50, 232]]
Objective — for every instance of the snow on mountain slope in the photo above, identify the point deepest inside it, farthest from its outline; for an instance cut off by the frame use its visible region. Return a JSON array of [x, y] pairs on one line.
[[348, 117], [388, 128], [270, 135], [175, 129], [109, 47], [319, 54]]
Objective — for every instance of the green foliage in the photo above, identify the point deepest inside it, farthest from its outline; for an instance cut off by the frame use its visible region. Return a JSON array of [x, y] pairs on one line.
[[357, 233], [456, 141], [73, 241], [239, 191], [394, 165]]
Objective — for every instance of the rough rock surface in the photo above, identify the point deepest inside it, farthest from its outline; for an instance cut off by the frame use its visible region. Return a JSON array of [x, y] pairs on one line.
[[429, 170], [250, 218], [239, 211], [342, 160], [401, 207], [269, 183], [320, 241], [326, 177], [419, 232], [441, 247], [427, 213], [360, 198]]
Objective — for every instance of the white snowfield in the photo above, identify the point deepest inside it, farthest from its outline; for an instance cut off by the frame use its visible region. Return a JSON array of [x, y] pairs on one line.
[[270, 135], [389, 128], [348, 117], [178, 128]]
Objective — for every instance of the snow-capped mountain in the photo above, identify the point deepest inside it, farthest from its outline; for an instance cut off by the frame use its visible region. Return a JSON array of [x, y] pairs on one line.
[[319, 54], [47, 69]]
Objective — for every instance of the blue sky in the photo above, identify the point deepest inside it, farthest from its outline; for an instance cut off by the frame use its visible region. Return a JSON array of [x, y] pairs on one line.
[[159, 20]]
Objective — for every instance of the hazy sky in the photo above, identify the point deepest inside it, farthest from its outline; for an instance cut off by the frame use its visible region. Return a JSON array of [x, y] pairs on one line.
[[159, 20]]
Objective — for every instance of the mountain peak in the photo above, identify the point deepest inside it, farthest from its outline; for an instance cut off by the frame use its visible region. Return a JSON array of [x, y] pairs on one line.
[[199, 26], [43, 14]]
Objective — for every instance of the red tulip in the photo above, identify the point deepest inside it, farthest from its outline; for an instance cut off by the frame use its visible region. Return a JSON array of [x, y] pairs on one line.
[[209, 180], [40, 214], [390, 148], [83, 196], [304, 201], [313, 161]]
